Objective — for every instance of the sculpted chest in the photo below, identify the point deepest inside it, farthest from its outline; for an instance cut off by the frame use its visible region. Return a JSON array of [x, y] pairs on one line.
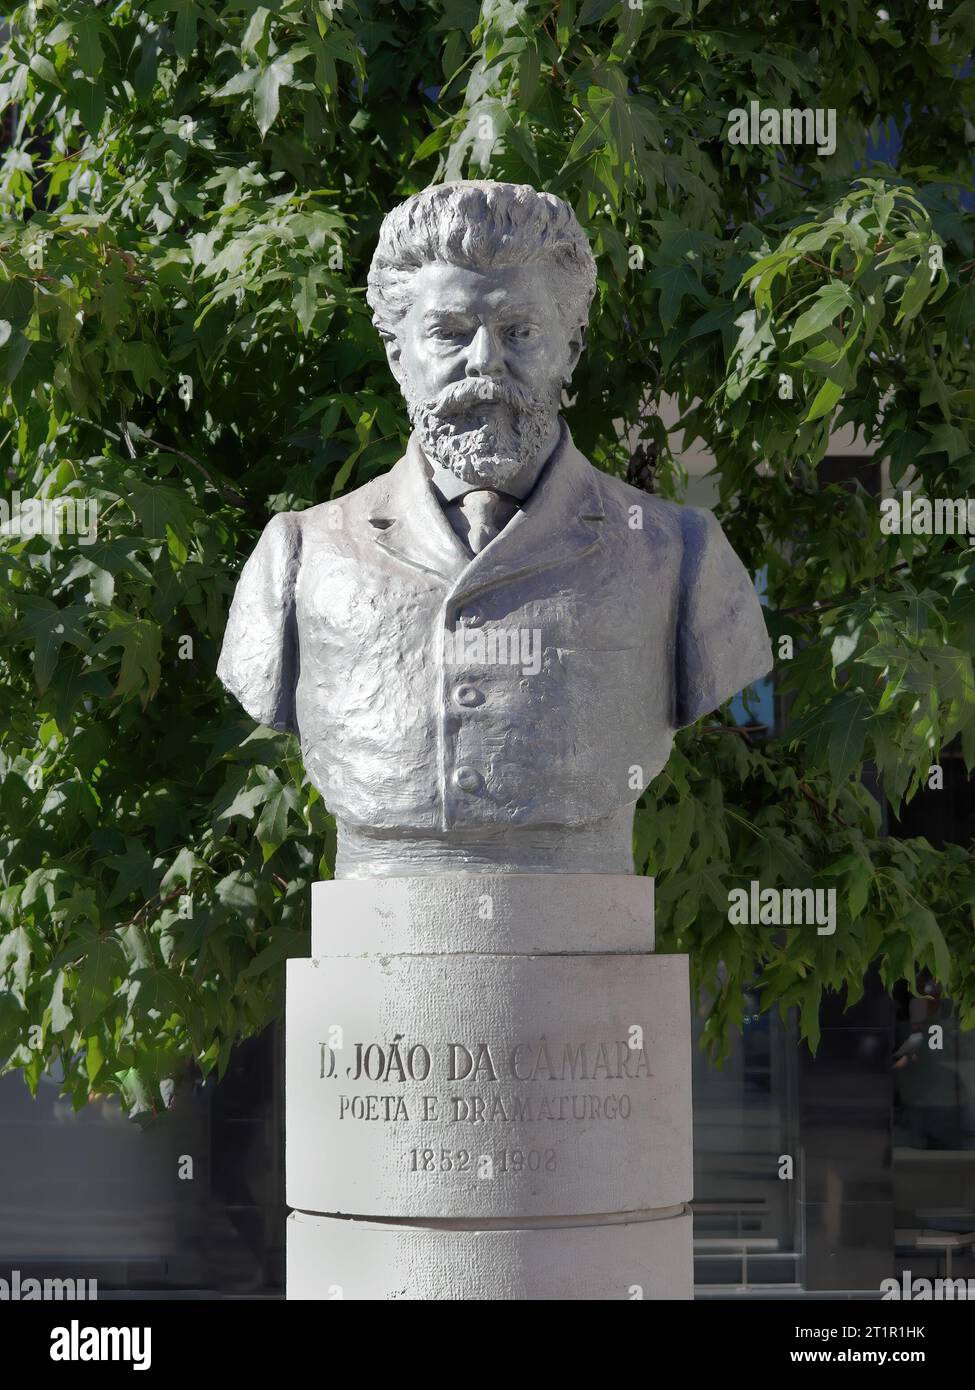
[[537, 684], [485, 695]]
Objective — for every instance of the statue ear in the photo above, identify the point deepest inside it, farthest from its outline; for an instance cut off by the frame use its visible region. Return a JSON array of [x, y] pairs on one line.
[[577, 343], [393, 351]]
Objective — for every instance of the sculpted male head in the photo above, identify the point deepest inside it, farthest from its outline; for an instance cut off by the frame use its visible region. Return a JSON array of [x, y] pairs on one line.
[[481, 292]]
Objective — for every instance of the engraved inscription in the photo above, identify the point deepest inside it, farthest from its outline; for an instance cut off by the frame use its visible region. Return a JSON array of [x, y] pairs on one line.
[[484, 1165], [455, 1061], [513, 1066]]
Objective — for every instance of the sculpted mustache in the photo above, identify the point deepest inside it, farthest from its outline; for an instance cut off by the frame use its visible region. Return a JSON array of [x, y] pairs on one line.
[[455, 400]]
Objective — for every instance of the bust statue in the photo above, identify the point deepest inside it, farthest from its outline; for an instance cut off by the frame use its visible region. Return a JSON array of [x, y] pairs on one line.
[[486, 652]]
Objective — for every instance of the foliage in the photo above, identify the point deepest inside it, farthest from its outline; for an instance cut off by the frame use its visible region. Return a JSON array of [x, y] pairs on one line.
[[189, 202]]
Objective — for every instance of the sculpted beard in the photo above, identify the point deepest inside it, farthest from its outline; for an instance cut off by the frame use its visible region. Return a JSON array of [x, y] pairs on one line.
[[484, 431]]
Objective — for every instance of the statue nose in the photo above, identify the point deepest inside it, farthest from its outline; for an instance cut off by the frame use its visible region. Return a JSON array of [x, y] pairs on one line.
[[483, 357]]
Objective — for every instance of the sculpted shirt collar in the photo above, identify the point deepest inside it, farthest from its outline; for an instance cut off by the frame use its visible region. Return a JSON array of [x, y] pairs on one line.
[[558, 520]]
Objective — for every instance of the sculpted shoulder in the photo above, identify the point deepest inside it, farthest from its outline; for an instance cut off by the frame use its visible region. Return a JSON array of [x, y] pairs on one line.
[[345, 518], [629, 509]]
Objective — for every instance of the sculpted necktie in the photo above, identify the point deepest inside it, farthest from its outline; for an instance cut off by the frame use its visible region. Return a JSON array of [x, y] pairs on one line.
[[479, 516]]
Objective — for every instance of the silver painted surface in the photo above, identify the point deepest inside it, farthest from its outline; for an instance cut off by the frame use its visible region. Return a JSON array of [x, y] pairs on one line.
[[502, 710]]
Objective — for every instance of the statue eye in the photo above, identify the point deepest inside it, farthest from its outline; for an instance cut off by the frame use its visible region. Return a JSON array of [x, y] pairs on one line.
[[522, 332], [445, 333]]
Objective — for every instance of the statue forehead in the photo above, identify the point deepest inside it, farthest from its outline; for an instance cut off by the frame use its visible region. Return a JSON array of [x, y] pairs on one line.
[[441, 287]]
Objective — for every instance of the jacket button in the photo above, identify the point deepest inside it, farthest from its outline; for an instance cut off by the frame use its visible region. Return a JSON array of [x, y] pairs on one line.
[[468, 695], [467, 779]]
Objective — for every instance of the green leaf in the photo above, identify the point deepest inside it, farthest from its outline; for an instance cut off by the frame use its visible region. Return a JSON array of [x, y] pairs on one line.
[[94, 1058], [272, 828], [306, 298], [267, 93], [950, 440], [143, 361], [835, 733], [184, 32], [923, 926], [48, 628], [241, 82], [850, 716], [137, 1092], [254, 32], [593, 11], [101, 967], [825, 399], [917, 290], [44, 69], [675, 282], [161, 509], [61, 1014], [141, 641], [15, 957], [90, 100], [829, 303], [90, 52], [237, 893]]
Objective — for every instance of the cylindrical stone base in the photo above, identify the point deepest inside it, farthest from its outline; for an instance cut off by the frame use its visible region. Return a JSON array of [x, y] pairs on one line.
[[488, 1092], [331, 1258]]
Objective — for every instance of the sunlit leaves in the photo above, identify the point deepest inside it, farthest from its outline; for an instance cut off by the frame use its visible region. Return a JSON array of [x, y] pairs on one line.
[[830, 301], [267, 93]]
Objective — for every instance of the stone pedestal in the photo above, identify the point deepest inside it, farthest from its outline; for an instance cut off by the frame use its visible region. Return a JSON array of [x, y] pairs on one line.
[[488, 1092]]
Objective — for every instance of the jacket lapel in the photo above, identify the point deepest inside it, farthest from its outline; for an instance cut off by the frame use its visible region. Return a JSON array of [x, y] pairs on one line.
[[409, 522]]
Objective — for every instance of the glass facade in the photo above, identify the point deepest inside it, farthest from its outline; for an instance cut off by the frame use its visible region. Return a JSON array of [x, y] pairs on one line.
[[747, 1213]]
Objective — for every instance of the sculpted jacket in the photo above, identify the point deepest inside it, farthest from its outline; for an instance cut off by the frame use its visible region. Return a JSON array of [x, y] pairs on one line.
[[534, 688]]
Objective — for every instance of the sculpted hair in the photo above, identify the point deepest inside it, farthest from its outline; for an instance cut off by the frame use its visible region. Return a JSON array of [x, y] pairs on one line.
[[478, 224]]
